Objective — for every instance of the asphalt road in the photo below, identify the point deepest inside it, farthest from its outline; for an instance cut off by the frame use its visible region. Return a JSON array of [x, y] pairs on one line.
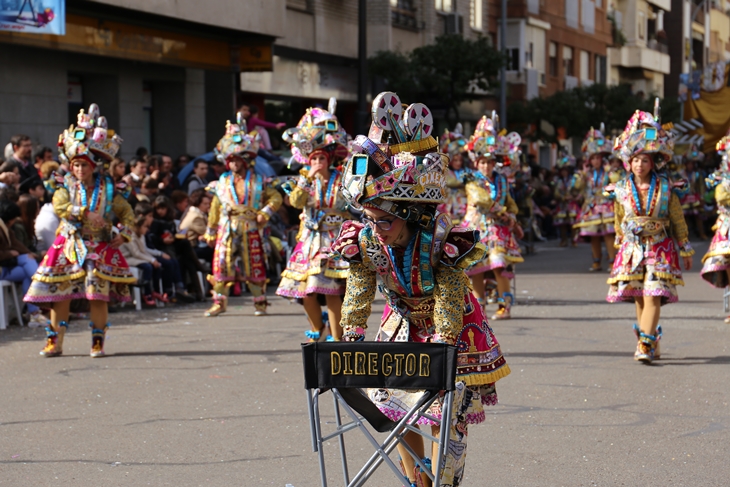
[[184, 400]]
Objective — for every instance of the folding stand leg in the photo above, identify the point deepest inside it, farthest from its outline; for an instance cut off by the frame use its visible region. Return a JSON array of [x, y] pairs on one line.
[[320, 443], [341, 438], [444, 434]]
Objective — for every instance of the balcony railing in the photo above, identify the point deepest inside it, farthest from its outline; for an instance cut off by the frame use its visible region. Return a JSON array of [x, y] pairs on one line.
[[657, 46], [404, 18]]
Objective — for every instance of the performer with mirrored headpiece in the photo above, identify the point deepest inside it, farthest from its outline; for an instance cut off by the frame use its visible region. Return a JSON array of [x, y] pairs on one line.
[[397, 177], [84, 261], [651, 234]]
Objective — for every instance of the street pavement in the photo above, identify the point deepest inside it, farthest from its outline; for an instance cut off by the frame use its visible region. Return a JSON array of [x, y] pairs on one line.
[[184, 400]]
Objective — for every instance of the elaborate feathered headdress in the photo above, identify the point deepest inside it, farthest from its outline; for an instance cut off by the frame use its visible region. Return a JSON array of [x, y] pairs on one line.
[[318, 130], [90, 139], [237, 142]]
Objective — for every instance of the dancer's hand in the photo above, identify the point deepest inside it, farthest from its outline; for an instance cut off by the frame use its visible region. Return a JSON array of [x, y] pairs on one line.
[[687, 263], [116, 242], [260, 219], [96, 219]]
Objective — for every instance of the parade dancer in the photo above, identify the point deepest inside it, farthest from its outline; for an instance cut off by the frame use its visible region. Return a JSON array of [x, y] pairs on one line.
[[320, 144], [420, 258], [454, 145], [716, 262], [241, 206], [650, 230], [492, 211], [692, 202], [84, 261], [595, 221], [565, 194]]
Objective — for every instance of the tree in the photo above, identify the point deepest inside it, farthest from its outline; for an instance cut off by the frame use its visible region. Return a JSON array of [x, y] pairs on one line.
[[577, 110], [443, 75]]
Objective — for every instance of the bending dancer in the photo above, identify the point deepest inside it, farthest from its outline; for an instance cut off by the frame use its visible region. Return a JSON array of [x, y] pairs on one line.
[[312, 276], [492, 211], [240, 208], [651, 233], [595, 221], [420, 258], [84, 261]]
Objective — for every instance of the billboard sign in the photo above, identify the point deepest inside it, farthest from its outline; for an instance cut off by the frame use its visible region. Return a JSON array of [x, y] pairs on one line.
[[33, 16]]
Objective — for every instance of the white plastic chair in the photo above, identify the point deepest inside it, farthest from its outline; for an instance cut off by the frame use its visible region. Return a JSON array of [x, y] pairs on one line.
[[4, 319], [136, 293]]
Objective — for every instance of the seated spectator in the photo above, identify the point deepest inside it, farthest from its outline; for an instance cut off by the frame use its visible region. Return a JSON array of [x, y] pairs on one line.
[[181, 162], [24, 227], [149, 261], [195, 223], [34, 187], [149, 190], [117, 169], [138, 171], [45, 228], [9, 193], [180, 201], [215, 170], [43, 155], [9, 174], [199, 178], [163, 236], [17, 262]]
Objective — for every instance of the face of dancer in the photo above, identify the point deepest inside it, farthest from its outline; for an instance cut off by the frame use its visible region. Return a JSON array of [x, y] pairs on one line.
[[596, 161], [457, 162], [237, 165], [318, 163], [390, 229], [486, 166], [82, 170], [641, 166]]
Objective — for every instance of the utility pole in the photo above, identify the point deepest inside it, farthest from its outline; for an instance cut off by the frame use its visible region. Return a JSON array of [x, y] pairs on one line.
[[503, 73], [362, 69]]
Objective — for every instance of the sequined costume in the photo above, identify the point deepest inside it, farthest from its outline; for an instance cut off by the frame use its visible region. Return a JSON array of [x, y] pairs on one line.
[[80, 264], [565, 193], [716, 261], [428, 297], [650, 242], [596, 217], [492, 211], [454, 145], [310, 269], [239, 199]]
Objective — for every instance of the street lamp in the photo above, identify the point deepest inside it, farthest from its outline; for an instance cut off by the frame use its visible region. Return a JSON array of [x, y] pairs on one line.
[[503, 72]]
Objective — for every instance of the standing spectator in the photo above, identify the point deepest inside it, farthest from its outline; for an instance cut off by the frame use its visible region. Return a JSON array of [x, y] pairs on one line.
[[17, 262], [24, 227], [181, 162], [249, 113], [34, 187], [195, 223], [117, 169], [43, 155], [22, 151], [198, 179], [218, 168], [9, 174]]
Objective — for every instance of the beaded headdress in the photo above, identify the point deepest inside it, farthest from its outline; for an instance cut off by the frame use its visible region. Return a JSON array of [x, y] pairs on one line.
[[90, 139], [565, 159], [397, 167], [644, 134], [453, 142], [694, 153], [237, 142], [487, 141], [318, 130], [595, 143]]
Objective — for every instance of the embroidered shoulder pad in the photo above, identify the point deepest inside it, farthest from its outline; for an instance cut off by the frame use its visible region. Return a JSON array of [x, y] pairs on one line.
[[462, 248]]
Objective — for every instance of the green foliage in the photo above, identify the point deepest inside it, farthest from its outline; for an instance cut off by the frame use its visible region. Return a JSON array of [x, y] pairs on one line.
[[579, 109], [443, 75]]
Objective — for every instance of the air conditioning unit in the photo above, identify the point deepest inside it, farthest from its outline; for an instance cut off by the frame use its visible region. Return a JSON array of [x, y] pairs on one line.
[[571, 82], [453, 24]]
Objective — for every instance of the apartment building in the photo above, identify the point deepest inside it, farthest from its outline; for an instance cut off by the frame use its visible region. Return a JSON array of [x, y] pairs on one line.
[[707, 34], [316, 57], [163, 73]]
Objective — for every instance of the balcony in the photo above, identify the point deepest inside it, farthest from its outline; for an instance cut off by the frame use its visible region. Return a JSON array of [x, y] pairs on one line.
[[665, 5], [639, 57]]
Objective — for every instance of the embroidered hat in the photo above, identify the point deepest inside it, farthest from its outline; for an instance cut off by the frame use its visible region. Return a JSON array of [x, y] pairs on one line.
[[488, 142], [318, 130], [565, 159], [397, 167], [595, 143], [90, 139], [237, 142], [453, 142], [644, 134]]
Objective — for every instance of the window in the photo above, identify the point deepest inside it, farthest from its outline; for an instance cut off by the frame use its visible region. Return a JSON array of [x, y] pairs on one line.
[[403, 14], [529, 56], [513, 59], [585, 65], [571, 13], [588, 16], [475, 7], [600, 65], [445, 5], [642, 26], [553, 56], [568, 61]]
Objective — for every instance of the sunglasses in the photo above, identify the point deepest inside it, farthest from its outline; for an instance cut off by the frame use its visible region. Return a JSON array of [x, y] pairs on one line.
[[383, 225]]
